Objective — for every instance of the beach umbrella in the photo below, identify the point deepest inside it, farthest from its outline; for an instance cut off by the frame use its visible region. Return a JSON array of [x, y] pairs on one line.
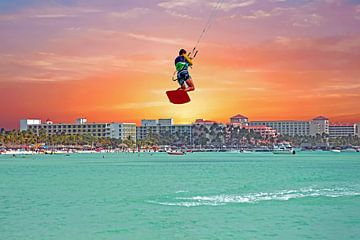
[[123, 145]]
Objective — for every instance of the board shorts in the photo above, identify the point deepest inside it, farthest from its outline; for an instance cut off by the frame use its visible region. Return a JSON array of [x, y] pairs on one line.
[[182, 76]]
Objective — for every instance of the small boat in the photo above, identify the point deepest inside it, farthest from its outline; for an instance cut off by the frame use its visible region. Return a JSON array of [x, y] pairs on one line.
[[175, 153], [336, 150], [246, 151], [283, 148]]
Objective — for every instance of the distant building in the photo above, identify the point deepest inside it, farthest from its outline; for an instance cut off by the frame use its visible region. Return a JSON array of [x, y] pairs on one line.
[[292, 128], [81, 121], [164, 128], [123, 131], [201, 121], [239, 120], [319, 125], [25, 123], [166, 122], [81, 127], [265, 132], [357, 129], [342, 130], [149, 123]]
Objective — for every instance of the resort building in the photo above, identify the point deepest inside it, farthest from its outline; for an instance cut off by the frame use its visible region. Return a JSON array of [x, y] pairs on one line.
[[201, 121], [25, 123], [357, 129], [123, 131], [164, 128], [342, 130], [319, 125], [239, 120], [292, 128], [265, 132], [81, 127]]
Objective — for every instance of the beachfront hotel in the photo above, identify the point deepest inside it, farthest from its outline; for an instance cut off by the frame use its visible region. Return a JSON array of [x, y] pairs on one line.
[[318, 125], [163, 127], [343, 130], [81, 127]]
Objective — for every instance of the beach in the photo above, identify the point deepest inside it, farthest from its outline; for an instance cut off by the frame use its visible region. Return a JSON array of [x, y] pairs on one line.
[[310, 195]]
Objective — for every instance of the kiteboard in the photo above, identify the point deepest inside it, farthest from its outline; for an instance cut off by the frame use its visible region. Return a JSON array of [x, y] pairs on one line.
[[178, 96]]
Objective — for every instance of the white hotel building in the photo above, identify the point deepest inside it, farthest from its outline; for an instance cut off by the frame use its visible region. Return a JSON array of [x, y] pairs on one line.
[[162, 127], [343, 130], [80, 127], [318, 125]]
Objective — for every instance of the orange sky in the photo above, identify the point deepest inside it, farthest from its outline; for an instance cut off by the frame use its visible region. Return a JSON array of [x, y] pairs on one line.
[[114, 61]]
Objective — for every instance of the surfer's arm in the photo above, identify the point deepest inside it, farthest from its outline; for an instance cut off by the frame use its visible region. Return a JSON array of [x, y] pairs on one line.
[[188, 60]]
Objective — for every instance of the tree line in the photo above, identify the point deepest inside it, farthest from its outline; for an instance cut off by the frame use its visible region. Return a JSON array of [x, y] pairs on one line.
[[212, 136]]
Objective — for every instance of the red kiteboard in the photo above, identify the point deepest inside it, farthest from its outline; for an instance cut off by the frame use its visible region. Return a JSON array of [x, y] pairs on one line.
[[178, 96]]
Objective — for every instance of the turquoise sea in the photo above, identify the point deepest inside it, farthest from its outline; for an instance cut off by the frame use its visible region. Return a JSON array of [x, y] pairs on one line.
[[310, 195]]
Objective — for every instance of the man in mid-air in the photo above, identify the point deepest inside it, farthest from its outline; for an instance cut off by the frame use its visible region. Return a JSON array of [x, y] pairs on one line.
[[182, 63]]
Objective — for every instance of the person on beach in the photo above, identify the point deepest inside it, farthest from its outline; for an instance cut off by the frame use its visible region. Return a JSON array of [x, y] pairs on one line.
[[182, 63]]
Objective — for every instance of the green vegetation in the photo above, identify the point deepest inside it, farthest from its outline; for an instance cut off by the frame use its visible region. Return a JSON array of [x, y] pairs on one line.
[[219, 135], [16, 139], [321, 140]]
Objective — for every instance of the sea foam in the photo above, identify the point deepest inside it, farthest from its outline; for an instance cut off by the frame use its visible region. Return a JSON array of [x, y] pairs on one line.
[[283, 195]]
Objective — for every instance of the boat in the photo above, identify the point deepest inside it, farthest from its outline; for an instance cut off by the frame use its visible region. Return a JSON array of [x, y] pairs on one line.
[[262, 149], [283, 148], [246, 151], [336, 150], [175, 153]]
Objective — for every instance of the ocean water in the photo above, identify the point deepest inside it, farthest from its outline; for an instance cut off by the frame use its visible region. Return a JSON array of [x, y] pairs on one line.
[[196, 196]]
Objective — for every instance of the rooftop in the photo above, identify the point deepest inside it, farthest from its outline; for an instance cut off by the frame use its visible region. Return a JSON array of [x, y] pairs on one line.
[[204, 121], [321, 118], [239, 116]]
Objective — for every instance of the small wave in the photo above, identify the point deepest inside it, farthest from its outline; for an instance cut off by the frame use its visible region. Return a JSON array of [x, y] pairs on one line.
[[186, 204], [284, 195], [182, 191]]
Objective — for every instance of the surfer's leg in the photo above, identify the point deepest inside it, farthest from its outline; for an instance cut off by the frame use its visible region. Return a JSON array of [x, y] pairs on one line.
[[190, 84], [181, 81]]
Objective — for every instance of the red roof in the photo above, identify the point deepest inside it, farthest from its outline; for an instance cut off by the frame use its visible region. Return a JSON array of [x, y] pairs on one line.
[[239, 116], [203, 121], [321, 118]]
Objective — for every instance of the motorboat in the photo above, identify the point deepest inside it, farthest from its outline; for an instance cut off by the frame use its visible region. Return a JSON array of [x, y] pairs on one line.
[[283, 148], [175, 153]]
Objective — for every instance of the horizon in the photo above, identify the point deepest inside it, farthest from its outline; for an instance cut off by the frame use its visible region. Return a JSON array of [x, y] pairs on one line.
[[273, 59]]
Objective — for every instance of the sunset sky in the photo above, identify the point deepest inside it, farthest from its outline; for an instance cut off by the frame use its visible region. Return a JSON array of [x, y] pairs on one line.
[[112, 60]]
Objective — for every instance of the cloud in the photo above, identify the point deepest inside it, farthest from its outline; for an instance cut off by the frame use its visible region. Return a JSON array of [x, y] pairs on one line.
[[131, 13], [258, 14], [171, 41], [180, 15], [54, 16], [45, 67], [357, 12], [282, 40], [227, 6], [307, 20], [174, 4]]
